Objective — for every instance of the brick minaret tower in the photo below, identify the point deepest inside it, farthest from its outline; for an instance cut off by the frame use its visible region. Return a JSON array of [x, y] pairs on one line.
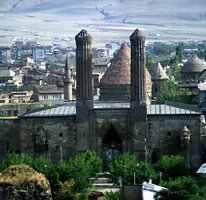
[[84, 102], [138, 94]]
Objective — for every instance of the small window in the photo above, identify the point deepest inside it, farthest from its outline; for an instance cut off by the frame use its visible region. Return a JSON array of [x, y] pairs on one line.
[[61, 135], [169, 133]]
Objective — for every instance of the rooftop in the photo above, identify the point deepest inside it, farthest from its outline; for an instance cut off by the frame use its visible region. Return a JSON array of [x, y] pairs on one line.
[[159, 73], [69, 109], [194, 64], [119, 71]]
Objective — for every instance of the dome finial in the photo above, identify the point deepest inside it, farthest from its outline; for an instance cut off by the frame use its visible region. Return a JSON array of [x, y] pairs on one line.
[[137, 34]]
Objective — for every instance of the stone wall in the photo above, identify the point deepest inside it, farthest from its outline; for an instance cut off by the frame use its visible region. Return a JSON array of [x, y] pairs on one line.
[[9, 136], [56, 137], [52, 137], [165, 134]]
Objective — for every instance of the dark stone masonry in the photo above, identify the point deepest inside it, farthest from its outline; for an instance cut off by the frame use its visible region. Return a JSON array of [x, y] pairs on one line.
[[110, 126]]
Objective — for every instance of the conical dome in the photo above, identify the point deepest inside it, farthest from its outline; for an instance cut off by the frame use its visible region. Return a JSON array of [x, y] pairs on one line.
[[194, 64], [158, 72], [119, 71], [115, 84]]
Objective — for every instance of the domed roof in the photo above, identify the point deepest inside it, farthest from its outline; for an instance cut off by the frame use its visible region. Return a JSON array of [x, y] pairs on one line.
[[194, 64], [158, 72], [137, 34], [119, 71]]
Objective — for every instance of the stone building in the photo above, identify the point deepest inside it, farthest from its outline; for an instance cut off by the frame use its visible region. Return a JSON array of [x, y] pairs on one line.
[[68, 82], [115, 83], [192, 69], [159, 79], [108, 127]]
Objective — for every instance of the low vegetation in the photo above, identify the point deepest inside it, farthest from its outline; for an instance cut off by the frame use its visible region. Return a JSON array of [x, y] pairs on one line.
[[69, 179]]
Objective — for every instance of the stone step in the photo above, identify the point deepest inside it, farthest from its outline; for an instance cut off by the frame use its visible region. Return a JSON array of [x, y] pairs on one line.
[[100, 180]]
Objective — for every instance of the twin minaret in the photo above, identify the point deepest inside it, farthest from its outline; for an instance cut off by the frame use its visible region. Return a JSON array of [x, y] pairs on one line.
[[84, 98], [84, 69]]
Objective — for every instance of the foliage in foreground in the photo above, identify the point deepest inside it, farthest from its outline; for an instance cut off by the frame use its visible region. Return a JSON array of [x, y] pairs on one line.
[[126, 165], [182, 188], [69, 179], [171, 166], [112, 196]]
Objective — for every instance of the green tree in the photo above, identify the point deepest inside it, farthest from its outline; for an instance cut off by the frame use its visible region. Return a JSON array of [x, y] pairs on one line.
[[79, 168], [179, 53], [180, 188], [150, 63], [172, 92], [69, 179], [126, 165], [172, 166]]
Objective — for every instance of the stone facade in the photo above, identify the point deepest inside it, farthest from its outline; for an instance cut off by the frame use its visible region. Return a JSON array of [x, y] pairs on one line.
[[57, 137], [109, 128], [165, 134], [53, 137]]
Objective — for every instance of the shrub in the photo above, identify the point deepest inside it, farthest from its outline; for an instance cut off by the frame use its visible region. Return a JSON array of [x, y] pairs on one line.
[[112, 196], [126, 165], [172, 166], [179, 188], [80, 168]]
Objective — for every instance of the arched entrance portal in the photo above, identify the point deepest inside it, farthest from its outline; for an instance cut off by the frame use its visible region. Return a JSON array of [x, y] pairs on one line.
[[112, 145]]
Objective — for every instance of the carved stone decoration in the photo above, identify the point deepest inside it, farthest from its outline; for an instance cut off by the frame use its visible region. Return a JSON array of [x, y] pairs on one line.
[[40, 141]]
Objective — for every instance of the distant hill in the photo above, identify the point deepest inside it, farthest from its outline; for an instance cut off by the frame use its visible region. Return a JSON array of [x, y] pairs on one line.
[[126, 10], [107, 20]]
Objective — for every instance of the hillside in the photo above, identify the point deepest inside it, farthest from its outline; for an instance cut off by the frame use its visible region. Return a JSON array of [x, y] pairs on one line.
[[160, 18]]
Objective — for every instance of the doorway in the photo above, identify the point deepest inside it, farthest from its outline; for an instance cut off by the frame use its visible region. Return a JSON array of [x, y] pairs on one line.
[[112, 145]]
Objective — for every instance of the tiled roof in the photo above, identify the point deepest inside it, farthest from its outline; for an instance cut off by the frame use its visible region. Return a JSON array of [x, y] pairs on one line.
[[194, 64], [158, 72], [119, 71], [163, 109], [69, 109]]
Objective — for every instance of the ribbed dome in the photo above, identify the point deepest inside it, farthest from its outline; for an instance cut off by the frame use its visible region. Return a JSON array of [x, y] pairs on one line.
[[194, 64], [119, 71], [115, 84], [158, 72]]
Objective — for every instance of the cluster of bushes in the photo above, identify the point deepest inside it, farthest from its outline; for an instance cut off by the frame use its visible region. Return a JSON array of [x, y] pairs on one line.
[[69, 179], [181, 183]]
